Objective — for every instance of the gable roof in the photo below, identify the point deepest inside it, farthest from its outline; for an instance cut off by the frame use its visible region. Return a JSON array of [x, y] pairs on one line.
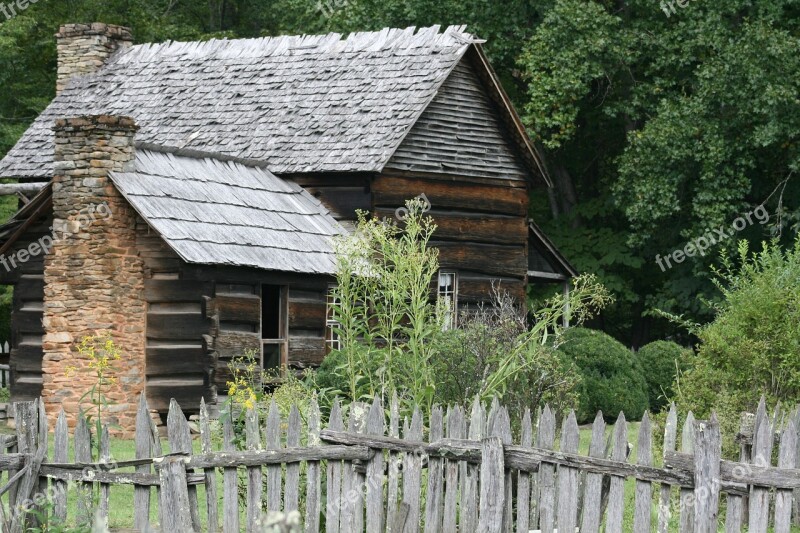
[[295, 103], [225, 213], [545, 262], [460, 133]]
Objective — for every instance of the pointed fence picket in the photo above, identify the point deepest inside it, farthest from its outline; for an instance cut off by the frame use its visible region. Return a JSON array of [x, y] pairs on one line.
[[453, 470]]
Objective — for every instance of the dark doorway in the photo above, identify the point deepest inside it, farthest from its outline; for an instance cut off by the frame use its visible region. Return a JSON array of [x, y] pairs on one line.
[[273, 327]]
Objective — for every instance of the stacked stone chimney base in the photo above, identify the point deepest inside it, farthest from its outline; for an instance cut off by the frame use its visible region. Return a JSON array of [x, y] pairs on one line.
[[93, 275]]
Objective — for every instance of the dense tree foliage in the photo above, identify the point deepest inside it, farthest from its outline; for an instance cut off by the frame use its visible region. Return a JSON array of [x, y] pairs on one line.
[[655, 128], [659, 128]]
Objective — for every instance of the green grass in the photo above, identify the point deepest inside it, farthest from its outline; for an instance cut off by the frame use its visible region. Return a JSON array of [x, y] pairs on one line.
[[121, 496]]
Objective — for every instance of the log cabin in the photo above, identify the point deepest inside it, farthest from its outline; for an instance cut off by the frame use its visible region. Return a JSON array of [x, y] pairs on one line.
[[185, 197]]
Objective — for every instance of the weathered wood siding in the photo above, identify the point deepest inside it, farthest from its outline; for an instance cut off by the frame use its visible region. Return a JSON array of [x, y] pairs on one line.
[[460, 133], [482, 229], [27, 307], [179, 360], [342, 194], [234, 310]]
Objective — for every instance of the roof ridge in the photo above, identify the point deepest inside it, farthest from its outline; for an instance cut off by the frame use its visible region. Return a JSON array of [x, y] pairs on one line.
[[374, 41]]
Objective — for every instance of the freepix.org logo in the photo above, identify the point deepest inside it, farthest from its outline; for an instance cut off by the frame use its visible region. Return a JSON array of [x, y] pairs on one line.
[[700, 245], [12, 9], [60, 229]]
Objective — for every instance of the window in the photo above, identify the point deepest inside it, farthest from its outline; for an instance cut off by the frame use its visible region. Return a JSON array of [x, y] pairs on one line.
[[332, 341], [448, 293]]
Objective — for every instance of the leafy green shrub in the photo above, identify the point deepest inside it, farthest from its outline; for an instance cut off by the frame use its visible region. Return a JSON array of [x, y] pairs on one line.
[[495, 339], [331, 379], [612, 379], [391, 332], [661, 360], [752, 348]]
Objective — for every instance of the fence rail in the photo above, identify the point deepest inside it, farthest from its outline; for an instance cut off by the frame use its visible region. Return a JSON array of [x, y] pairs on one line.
[[367, 471]]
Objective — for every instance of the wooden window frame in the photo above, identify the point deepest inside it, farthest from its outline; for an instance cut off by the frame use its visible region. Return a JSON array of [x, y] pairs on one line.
[[283, 328], [450, 295], [332, 340]]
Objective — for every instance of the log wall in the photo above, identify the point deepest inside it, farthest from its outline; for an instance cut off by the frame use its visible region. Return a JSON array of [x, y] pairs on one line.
[[481, 233], [27, 305], [179, 360], [201, 317]]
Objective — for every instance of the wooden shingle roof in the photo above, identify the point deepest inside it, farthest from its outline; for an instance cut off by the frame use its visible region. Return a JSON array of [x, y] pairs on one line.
[[226, 213], [296, 104]]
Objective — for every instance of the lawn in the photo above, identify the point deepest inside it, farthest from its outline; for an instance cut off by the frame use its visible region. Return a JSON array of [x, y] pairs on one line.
[[121, 497]]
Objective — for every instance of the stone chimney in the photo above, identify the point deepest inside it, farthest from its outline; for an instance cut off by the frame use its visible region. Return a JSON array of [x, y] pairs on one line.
[[93, 275], [85, 48]]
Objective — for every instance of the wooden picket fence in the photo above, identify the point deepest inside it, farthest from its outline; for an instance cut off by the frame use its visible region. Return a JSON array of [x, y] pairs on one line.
[[368, 470]]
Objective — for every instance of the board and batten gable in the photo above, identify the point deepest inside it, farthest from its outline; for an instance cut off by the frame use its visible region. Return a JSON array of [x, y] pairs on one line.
[[460, 156]]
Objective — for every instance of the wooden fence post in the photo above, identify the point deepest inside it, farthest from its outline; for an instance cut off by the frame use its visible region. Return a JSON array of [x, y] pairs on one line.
[[44, 432], [412, 474], [616, 487], [455, 430], [210, 477], [313, 472], [665, 501], [175, 495], [707, 452], [545, 439], [254, 476], [492, 505], [83, 454], [687, 446], [28, 436], [105, 488], [434, 501], [737, 512], [786, 459], [333, 507], [644, 490], [230, 519], [291, 496], [60, 453], [353, 477], [501, 427], [762, 456], [568, 477], [524, 479], [375, 423], [274, 472], [144, 448], [393, 483], [469, 493], [593, 488], [180, 441]]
